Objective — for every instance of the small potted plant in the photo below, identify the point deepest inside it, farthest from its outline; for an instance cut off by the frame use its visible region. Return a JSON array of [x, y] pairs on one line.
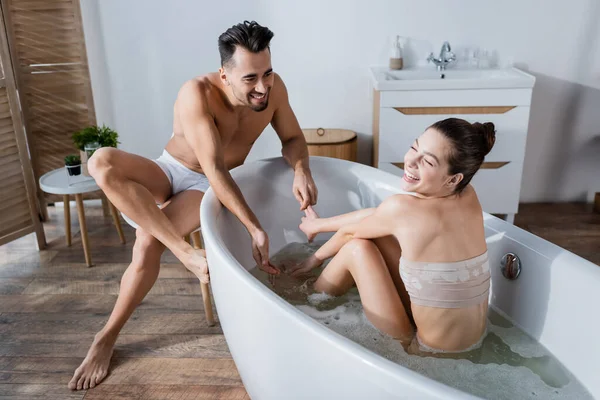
[[107, 137], [91, 138], [73, 164]]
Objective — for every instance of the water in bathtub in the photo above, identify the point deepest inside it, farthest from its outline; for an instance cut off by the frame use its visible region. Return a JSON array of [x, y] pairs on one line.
[[509, 364]]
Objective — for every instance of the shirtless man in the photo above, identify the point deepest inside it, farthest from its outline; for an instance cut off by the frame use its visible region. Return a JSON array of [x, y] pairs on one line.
[[217, 119]]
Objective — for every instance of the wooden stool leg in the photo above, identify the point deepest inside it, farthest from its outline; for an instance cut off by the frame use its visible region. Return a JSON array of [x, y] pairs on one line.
[[208, 310], [67, 218], [83, 228], [117, 221], [197, 240]]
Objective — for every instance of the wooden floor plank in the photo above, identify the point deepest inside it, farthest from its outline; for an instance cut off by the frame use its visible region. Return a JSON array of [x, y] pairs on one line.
[[23, 261], [166, 392], [76, 345], [13, 285], [56, 286], [100, 254], [142, 322], [94, 303], [37, 370], [169, 371], [81, 271], [161, 371], [182, 287], [38, 392]]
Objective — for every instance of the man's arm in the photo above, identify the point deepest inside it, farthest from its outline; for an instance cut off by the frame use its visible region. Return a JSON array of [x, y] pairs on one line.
[[203, 137], [293, 145]]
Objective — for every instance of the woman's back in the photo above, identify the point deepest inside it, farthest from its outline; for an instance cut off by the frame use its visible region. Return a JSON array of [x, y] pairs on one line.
[[444, 230], [445, 269]]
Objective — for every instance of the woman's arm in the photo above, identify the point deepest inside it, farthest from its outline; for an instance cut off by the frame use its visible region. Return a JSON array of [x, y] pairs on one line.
[[380, 223], [312, 224]]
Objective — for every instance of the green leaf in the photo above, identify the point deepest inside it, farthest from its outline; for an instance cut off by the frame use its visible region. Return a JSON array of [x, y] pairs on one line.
[[72, 159], [104, 135]]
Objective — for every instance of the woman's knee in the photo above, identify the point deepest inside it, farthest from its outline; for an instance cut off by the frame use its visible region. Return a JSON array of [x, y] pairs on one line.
[[360, 247], [361, 252]]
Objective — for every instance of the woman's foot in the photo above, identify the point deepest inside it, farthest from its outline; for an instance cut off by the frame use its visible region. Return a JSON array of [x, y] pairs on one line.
[[309, 223], [94, 367], [195, 261]]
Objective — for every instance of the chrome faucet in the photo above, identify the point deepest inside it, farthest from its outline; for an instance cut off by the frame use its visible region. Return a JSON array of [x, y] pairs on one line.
[[446, 57]]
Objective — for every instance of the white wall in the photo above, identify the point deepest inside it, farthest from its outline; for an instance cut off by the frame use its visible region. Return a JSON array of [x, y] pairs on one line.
[[96, 54], [323, 49]]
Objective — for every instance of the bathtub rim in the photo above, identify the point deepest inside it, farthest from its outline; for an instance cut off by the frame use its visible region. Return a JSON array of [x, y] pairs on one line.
[[363, 355]]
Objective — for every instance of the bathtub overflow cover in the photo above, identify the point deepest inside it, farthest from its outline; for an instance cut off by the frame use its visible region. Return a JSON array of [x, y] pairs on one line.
[[510, 266]]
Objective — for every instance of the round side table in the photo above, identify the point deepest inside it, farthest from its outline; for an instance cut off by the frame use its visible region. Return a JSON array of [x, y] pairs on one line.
[[59, 182]]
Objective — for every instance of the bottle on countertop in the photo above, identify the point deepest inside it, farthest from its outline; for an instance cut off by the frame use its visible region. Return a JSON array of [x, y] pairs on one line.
[[396, 58]]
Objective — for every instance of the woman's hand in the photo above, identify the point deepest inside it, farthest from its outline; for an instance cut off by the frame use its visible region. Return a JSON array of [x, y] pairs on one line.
[[305, 266], [309, 223]]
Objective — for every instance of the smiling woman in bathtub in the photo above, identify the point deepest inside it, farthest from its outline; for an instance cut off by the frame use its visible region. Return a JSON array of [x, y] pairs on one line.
[[440, 281]]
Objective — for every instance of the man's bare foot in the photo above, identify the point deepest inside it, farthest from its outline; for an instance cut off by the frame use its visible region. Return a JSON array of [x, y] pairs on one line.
[[308, 224], [195, 261], [94, 367]]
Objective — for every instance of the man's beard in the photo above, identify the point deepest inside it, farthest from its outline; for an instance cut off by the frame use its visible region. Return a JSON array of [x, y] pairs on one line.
[[261, 107], [252, 106]]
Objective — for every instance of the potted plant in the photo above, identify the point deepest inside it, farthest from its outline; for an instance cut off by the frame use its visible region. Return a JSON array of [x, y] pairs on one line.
[[91, 138], [73, 164], [107, 137]]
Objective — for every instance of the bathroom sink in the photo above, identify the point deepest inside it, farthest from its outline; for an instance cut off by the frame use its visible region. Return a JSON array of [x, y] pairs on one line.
[[428, 78]]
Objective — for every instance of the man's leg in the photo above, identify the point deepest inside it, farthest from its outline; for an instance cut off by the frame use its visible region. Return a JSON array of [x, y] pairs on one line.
[[131, 183], [137, 281]]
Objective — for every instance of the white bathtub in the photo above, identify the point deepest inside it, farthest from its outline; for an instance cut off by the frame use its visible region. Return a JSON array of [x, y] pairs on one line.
[[281, 353]]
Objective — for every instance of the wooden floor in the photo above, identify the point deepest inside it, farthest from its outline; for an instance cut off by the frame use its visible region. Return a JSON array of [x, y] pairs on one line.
[[572, 226], [51, 305]]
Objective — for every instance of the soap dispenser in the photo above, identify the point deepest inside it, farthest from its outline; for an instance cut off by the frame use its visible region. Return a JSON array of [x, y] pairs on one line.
[[396, 59]]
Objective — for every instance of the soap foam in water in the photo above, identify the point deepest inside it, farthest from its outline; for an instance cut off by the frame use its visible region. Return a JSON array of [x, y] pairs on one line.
[[508, 365], [318, 298]]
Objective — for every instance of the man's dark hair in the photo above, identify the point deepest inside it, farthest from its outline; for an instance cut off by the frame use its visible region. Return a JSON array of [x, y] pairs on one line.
[[249, 35]]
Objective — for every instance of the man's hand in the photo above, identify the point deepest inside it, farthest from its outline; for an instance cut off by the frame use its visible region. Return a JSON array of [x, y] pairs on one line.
[[304, 189], [260, 252]]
